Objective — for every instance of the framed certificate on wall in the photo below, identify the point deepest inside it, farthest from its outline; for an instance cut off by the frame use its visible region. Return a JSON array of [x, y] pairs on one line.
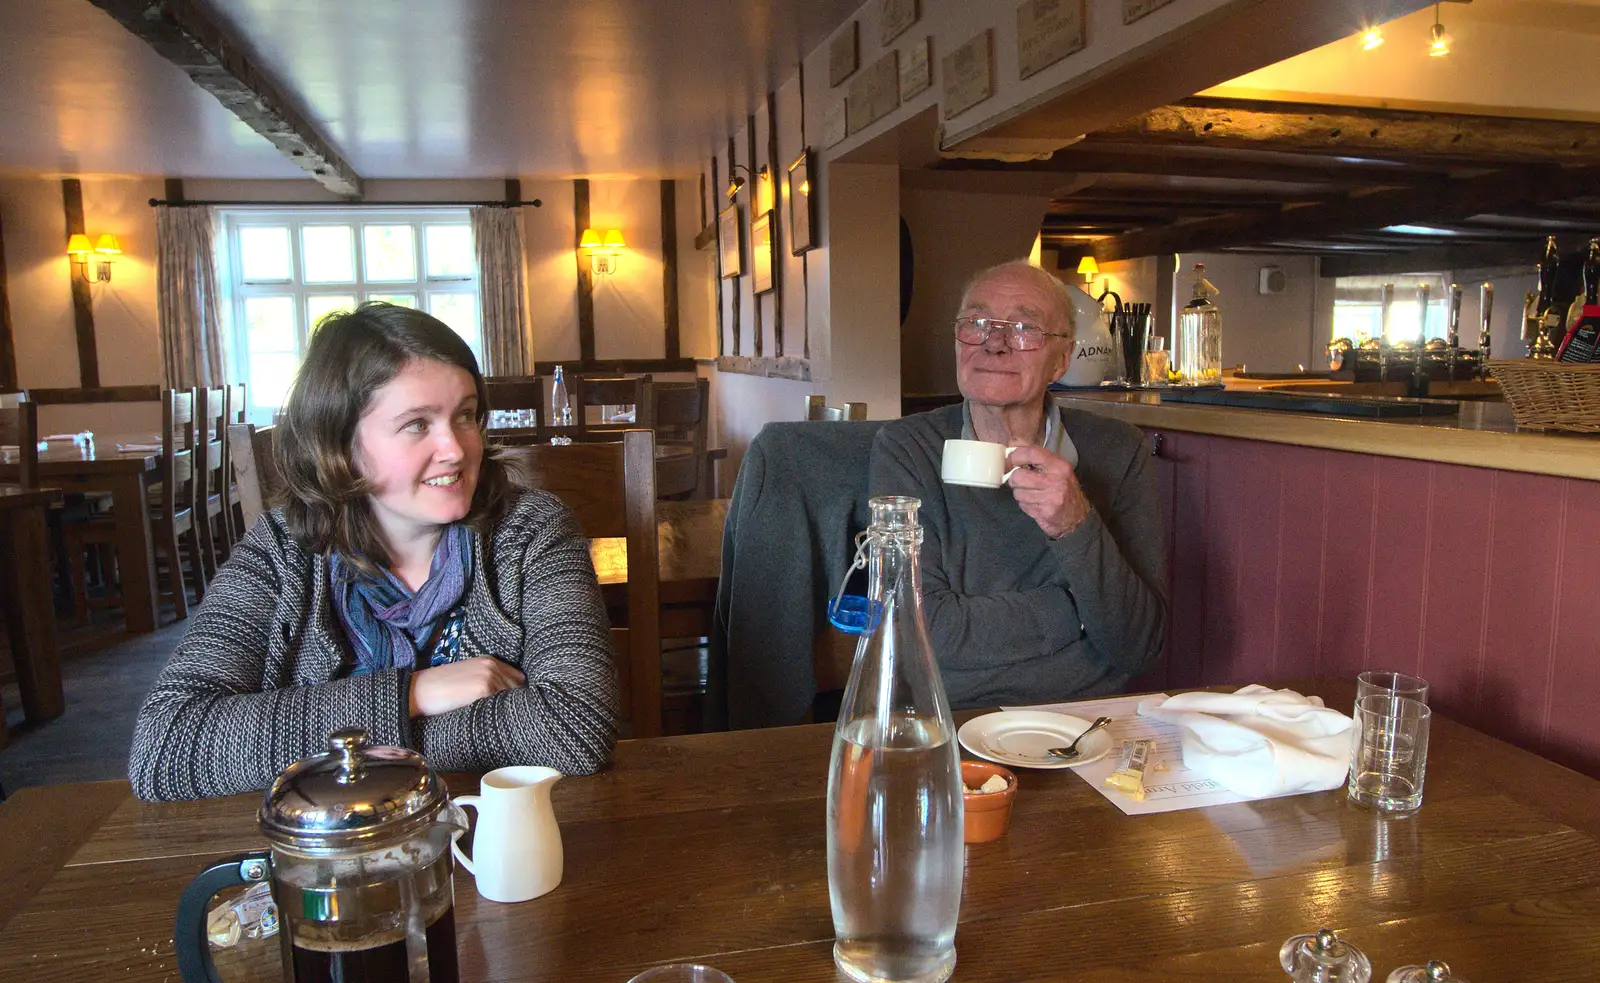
[[730, 233]]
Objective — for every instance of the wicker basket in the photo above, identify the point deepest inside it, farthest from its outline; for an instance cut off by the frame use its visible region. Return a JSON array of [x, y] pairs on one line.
[[1551, 395]]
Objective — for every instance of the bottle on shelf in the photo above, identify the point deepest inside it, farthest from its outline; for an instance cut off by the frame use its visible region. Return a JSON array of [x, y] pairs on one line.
[[560, 405], [1197, 343], [1582, 341], [895, 809], [1548, 313]]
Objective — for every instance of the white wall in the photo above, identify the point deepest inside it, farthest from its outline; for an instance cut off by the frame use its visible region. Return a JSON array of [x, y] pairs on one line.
[[953, 236], [1264, 332]]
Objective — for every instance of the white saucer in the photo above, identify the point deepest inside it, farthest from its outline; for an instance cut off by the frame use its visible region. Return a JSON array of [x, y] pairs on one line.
[[1021, 738]]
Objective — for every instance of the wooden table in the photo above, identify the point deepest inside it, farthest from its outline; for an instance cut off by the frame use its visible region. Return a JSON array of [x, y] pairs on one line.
[[691, 564], [30, 608], [127, 476], [712, 847]]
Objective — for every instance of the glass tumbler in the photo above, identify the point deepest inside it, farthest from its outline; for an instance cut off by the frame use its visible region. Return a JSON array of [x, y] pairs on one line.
[[1387, 682], [1389, 755]]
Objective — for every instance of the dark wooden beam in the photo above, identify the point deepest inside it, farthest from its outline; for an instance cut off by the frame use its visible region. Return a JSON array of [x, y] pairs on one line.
[[714, 228], [513, 191], [8, 347], [1129, 158], [82, 298], [778, 173], [1456, 199], [1412, 135], [733, 284], [1433, 258], [580, 218], [186, 35], [751, 193], [174, 191], [669, 263]]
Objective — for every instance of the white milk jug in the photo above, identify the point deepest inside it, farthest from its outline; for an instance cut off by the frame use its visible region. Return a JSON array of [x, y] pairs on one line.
[[1094, 355], [516, 846]]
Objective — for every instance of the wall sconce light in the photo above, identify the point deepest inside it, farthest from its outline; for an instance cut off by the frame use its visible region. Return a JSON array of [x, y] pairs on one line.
[[602, 250], [1440, 43], [104, 248], [735, 182], [1371, 38], [1089, 268]]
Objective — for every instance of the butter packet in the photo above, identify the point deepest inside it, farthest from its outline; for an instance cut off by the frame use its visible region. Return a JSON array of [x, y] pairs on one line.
[[1133, 760]]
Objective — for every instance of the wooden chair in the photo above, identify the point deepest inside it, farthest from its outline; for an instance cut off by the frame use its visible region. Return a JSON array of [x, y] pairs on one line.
[[254, 470], [19, 425], [172, 517], [78, 395], [215, 525], [610, 486], [590, 391], [29, 607], [517, 392], [235, 412], [680, 413], [817, 408]]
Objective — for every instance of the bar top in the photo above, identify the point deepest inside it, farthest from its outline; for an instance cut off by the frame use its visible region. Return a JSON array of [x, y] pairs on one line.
[[1483, 436]]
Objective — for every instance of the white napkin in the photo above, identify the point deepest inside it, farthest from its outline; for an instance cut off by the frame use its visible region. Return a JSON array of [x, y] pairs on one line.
[[1260, 742], [138, 447]]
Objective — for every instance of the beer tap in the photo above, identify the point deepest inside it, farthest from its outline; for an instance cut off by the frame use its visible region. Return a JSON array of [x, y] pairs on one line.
[[1485, 346], [1453, 332], [1387, 297], [1419, 364]]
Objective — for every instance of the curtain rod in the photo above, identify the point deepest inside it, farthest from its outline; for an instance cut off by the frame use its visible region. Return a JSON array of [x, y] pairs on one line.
[[535, 203]]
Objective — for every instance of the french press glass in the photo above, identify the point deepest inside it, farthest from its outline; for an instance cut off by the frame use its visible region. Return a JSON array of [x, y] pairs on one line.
[[360, 868]]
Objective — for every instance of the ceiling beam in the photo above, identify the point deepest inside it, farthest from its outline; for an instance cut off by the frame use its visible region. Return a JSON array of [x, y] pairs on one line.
[[1350, 130], [1433, 258], [1130, 158], [186, 35], [1451, 200]]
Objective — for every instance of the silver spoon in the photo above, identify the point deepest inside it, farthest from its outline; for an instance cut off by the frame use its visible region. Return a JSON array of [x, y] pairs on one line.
[[1071, 750]]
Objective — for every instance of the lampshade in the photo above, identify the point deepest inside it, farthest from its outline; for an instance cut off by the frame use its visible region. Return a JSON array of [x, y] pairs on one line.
[[79, 244], [590, 240], [614, 239], [107, 243], [1088, 267]]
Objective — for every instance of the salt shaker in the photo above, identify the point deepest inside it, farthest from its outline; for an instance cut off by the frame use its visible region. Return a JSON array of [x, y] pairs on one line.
[[1434, 972], [1322, 958]]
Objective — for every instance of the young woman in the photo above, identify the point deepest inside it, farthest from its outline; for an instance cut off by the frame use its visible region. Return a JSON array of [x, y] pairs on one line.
[[406, 586]]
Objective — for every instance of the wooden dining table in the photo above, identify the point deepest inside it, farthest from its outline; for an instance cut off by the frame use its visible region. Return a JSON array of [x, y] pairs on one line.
[[30, 622], [127, 475], [712, 848]]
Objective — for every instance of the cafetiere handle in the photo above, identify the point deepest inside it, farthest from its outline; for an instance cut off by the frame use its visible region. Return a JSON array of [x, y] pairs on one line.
[[189, 932]]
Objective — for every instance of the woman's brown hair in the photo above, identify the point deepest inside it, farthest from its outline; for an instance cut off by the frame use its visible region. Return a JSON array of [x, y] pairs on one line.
[[352, 355]]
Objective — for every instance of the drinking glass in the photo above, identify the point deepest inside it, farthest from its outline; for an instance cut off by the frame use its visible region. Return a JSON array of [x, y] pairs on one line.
[[1389, 753], [1386, 682], [682, 973]]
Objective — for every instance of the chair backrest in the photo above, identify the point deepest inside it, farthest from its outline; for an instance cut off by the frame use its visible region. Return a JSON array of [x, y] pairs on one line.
[[817, 408], [517, 392], [238, 409], [610, 391], [211, 429], [255, 473], [19, 425], [177, 453], [610, 486], [680, 414], [96, 394]]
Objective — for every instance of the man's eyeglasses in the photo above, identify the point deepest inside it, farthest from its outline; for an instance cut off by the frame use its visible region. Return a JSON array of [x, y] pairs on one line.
[[1019, 335]]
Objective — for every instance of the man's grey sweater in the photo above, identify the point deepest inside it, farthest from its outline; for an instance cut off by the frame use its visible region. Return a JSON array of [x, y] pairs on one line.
[[259, 680], [1014, 616]]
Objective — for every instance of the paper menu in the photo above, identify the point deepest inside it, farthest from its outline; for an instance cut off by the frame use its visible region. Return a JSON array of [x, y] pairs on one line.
[[1169, 786]]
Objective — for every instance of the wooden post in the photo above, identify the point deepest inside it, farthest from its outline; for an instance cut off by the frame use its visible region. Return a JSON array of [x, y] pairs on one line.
[[8, 348], [733, 284], [716, 198], [749, 222], [175, 191], [669, 264], [778, 173], [82, 299], [580, 209]]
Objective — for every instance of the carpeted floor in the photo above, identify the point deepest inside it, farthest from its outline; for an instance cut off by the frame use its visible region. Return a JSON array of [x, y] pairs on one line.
[[90, 741]]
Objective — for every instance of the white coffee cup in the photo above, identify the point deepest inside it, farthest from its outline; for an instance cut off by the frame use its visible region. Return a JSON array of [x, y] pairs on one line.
[[975, 463], [517, 845]]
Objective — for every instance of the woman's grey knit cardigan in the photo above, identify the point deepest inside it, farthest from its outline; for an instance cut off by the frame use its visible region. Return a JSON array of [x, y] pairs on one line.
[[252, 686]]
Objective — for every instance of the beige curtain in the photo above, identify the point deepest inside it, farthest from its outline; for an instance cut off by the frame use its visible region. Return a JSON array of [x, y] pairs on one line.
[[497, 239], [186, 296]]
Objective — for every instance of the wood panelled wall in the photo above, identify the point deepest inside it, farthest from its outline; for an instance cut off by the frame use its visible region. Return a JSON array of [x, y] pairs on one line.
[[1289, 561]]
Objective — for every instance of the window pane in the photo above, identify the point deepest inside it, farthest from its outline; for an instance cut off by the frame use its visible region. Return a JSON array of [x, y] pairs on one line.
[[270, 376], [329, 254], [460, 311], [270, 322], [391, 252], [264, 252], [400, 300], [450, 250], [319, 306]]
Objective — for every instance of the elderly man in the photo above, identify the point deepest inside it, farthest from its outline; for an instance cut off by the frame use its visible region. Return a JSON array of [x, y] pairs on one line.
[[1053, 588]]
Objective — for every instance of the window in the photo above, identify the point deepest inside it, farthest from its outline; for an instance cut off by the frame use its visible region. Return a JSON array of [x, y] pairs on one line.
[[288, 270], [1358, 306]]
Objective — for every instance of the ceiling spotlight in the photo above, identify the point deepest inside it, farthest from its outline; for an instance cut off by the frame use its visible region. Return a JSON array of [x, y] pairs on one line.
[[1440, 43], [1371, 38]]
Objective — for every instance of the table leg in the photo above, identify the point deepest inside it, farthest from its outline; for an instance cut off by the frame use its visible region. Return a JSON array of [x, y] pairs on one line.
[[136, 560], [31, 618]]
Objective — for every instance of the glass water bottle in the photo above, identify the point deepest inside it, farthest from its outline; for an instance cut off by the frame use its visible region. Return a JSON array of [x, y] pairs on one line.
[[1197, 344], [560, 405], [895, 850]]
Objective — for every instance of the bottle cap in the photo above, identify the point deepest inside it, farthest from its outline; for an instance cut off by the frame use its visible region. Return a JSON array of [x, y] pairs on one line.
[[1322, 957]]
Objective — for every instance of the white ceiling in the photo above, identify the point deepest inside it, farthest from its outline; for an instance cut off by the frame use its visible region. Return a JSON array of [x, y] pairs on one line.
[[409, 88]]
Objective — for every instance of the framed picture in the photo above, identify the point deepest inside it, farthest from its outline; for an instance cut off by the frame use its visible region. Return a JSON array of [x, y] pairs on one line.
[[761, 253], [802, 207], [730, 236]]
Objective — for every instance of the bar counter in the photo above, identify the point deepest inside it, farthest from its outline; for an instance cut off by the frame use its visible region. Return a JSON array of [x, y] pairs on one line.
[[1482, 436]]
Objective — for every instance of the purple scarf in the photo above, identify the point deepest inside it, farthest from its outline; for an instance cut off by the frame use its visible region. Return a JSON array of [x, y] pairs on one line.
[[386, 623]]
